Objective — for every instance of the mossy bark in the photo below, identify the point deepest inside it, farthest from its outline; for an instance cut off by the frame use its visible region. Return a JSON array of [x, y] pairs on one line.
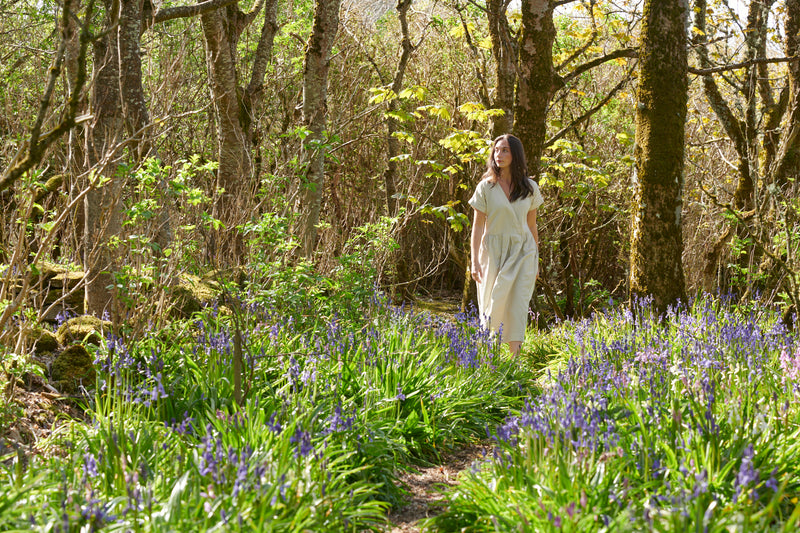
[[535, 79], [505, 51], [787, 164], [102, 217], [656, 236], [315, 113]]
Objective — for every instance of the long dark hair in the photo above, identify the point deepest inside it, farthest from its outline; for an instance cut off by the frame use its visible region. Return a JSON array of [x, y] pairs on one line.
[[520, 186]]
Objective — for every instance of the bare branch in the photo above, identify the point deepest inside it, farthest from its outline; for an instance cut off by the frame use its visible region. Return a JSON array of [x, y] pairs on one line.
[[743, 64], [616, 54], [484, 87], [38, 144], [177, 12], [575, 123], [585, 45]]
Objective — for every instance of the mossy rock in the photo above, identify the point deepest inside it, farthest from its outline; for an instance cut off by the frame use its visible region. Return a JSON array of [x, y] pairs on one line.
[[63, 284], [83, 329], [190, 294], [44, 341], [41, 339], [72, 368], [49, 272]]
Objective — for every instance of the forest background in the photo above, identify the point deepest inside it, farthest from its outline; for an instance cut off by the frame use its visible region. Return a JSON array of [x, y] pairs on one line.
[[246, 195], [142, 141]]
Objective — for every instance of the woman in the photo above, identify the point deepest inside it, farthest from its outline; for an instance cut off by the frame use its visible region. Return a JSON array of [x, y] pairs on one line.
[[505, 241]]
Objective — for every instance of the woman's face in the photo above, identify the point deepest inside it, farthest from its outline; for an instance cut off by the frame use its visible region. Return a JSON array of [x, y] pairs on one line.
[[502, 153]]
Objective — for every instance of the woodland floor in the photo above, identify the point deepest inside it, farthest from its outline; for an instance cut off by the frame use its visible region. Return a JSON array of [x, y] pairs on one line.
[[41, 412], [36, 411], [426, 487]]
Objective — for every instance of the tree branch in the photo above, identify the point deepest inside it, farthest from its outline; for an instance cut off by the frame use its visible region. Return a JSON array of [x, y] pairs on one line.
[[264, 48], [561, 81], [250, 16], [177, 12], [38, 144], [585, 45], [743, 64], [590, 112], [484, 86]]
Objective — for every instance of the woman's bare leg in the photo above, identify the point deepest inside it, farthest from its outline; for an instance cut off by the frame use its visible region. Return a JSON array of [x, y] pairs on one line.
[[515, 347]]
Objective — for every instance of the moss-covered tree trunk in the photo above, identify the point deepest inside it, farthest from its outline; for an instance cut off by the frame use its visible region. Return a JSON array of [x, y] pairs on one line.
[[101, 212], [656, 239], [504, 50], [787, 164], [221, 31], [315, 112], [535, 79]]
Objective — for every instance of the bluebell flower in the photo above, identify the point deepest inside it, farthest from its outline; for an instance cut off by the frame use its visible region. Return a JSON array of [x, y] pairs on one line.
[[303, 441], [90, 466], [273, 424], [748, 475], [96, 513], [772, 482]]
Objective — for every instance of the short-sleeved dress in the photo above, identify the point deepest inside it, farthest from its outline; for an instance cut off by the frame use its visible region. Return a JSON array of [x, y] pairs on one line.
[[509, 259]]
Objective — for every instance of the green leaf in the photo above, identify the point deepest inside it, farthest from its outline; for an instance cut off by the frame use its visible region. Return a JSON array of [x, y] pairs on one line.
[[416, 92], [404, 136], [381, 94], [402, 116], [436, 111]]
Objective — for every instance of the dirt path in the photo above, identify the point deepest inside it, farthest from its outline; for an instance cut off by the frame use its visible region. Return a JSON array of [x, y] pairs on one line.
[[426, 486]]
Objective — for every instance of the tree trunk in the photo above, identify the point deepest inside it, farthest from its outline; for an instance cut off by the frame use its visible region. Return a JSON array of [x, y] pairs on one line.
[[505, 51], [102, 217], [315, 90], [535, 83], [393, 145], [75, 154], [787, 162], [233, 154], [134, 103], [134, 106], [235, 109], [656, 238]]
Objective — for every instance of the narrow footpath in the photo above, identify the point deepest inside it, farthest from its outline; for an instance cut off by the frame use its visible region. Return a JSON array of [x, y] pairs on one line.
[[427, 486]]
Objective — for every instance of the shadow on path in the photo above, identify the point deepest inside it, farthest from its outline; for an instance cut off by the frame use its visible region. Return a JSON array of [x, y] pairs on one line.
[[426, 486]]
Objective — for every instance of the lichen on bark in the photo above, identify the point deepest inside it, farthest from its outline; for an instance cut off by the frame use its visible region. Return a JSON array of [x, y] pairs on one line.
[[656, 235]]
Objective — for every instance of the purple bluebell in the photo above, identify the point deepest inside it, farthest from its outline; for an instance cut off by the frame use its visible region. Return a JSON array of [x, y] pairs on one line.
[[302, 439], [747, 476], [90, 466]]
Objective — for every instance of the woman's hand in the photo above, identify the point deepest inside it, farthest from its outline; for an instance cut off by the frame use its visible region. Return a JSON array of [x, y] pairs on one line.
[[478, 227], [477, 275]]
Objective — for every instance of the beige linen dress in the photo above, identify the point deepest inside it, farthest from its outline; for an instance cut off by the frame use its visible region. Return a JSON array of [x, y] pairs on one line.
[[509, 259]]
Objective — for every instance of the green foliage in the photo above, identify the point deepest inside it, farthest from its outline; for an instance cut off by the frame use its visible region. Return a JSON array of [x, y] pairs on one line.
[[649, 423], [275, 275], [155, 187], [361, 262], [331, 407]]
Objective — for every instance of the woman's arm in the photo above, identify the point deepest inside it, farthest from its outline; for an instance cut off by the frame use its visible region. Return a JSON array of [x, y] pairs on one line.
[[478, 227], [532, 225]]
